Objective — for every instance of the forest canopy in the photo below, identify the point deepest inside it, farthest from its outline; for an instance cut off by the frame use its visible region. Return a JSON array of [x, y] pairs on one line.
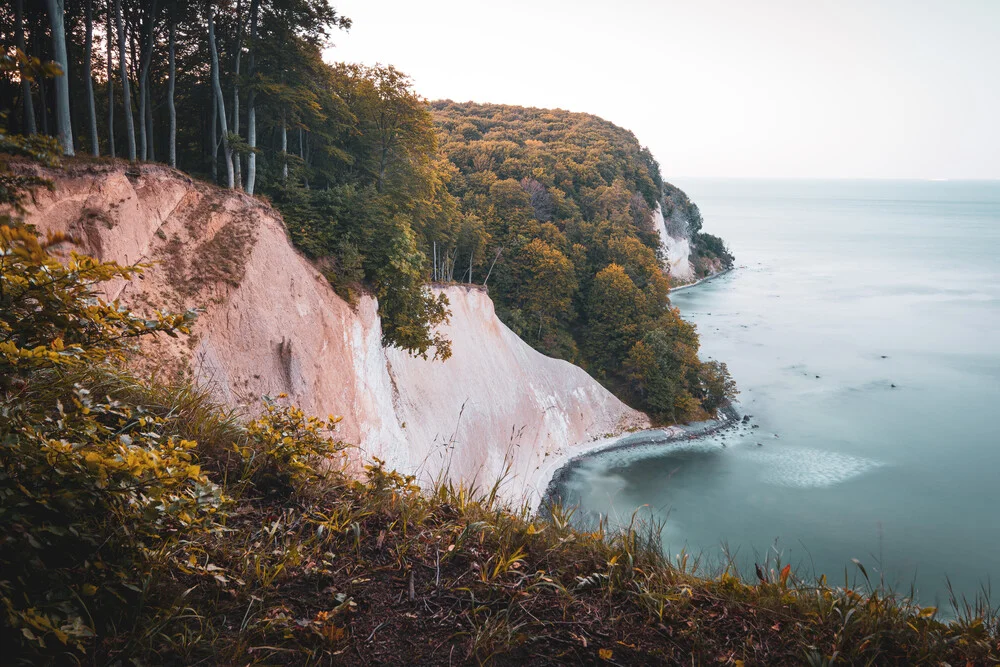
[[567, 204], [552, 211]]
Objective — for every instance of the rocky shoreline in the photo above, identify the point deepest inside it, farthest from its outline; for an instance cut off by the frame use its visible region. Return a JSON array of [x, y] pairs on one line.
[[728, 418], [702, 280]]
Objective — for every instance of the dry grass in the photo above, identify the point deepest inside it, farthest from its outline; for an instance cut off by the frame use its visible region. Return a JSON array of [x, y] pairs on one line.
[[380, 572]]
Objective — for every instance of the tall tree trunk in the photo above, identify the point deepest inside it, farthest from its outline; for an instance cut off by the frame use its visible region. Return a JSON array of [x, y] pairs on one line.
[[42, 95], [64, 125], [303, 137], [236, 90], [284, 148], [126, 93], [213, 137], [252, 109], [145, 115], [227, 151], [252, 142], [151, 137], [111, 87], [88, 79], [170, 96], [29, 105]]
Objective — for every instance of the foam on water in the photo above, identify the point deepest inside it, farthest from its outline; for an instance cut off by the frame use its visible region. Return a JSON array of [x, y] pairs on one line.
[[805, 468]]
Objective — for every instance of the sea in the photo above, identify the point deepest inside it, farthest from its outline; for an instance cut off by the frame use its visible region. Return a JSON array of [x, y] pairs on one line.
[[862, 325]]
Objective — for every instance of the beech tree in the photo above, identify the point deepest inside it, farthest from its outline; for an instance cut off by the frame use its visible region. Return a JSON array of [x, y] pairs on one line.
[[64, 123], [88, 79], [220, 102], [126, 91], [27, 104]]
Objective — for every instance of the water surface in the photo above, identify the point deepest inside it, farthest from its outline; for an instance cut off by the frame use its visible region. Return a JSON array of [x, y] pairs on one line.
[[863, 327]]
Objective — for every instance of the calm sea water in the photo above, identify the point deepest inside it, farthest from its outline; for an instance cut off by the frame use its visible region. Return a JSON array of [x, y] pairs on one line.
[[863, 327]]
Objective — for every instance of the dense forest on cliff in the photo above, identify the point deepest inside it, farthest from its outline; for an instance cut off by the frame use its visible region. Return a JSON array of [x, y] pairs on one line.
[[551, 210], [567, 201]]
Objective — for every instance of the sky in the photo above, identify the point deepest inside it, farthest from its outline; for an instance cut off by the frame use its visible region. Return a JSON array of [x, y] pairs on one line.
[[722, 88]]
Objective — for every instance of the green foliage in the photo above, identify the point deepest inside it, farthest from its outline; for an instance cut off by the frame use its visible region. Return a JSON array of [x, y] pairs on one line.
[[92, 489], [617, 313], [567, 204], [284, 450], [357, 235], [713, 247], [664, 369], [50, 314]]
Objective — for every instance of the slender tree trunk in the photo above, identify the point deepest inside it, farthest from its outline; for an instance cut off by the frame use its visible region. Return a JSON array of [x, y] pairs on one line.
[[170, 96], [252, 142], [142, 118], [237, 160], [284, 148], [29, 105], [303, 136], [88, 79], [252, 109], [126, 92], [150, 136], [227, 152], [213, 137], [111, 87], [42, 95], [64, 125], [44, 102], [145, 116]]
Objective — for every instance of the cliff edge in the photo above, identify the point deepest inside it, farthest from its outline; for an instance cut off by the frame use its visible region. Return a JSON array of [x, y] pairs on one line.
[[271, 324]]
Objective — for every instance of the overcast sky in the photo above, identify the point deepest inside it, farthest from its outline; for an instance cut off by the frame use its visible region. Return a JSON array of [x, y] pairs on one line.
[[768, 88]]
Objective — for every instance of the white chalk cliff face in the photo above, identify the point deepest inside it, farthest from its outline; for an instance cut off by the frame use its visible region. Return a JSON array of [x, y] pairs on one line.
[[271, 324], [678, 250]]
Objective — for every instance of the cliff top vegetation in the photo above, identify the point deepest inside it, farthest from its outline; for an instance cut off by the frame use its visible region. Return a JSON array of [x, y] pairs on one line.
[[567, 201]]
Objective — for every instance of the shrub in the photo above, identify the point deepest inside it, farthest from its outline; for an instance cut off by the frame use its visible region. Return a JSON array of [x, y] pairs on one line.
[[284, 449], [92, 488]]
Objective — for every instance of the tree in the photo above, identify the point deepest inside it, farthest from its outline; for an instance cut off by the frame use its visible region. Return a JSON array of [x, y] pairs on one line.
[[616, 317], [145, 119], [237, 167], [663, 368], [717, 384], [64, 124], [251, 102], [220, 102], [29, 107], [171, 89], [546, 284], [126, 93], [109, 38], [88, 79]]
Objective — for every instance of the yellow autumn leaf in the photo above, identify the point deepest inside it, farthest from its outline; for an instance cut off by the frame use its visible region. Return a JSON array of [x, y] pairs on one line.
[[605, 653]]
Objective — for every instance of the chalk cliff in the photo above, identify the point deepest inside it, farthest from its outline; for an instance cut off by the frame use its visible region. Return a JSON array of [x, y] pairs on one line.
[[270, 323], [678, 222]]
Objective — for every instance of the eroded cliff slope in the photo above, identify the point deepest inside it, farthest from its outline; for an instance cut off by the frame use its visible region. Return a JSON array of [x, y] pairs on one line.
[[271, 324]]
